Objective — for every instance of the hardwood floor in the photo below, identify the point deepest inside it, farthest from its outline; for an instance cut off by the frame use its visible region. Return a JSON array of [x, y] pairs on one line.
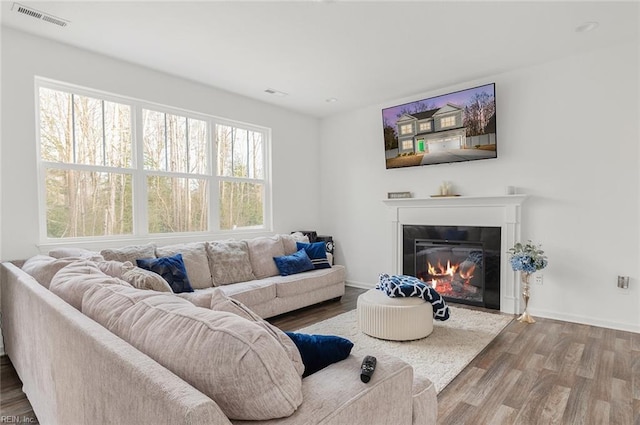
[[14, 406], [550, 372]]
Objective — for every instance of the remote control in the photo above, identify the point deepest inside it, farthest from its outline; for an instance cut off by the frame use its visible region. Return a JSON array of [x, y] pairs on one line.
[[367, 368]]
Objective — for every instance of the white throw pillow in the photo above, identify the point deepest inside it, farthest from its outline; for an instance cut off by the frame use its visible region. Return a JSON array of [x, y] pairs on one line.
[[195, 260], [262, 250], [129, 253], [43, 267]]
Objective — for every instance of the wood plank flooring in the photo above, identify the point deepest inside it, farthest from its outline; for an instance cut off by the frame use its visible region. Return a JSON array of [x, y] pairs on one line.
[[550, 372]]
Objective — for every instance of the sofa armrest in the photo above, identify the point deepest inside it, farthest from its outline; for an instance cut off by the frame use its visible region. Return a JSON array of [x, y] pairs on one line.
[[336, 396], [425, 402]]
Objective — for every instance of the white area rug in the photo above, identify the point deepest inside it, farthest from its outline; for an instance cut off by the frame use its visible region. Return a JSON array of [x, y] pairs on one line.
[[441, 356]]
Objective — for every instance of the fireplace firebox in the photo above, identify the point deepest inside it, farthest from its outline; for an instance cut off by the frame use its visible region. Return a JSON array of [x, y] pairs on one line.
[[462, 263], [454, 269]]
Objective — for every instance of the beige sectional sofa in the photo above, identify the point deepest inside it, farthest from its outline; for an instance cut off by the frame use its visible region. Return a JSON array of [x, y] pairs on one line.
[[94, 349]]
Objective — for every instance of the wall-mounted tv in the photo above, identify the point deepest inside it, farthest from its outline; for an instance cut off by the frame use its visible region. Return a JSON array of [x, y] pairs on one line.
[[454, 127]]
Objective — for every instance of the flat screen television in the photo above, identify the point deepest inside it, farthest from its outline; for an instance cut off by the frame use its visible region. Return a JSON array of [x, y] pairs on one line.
[[454, 127]]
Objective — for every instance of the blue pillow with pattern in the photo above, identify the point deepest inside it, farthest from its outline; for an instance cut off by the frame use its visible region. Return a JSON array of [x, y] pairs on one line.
[[297, 262], [171, 269], [317, 252]]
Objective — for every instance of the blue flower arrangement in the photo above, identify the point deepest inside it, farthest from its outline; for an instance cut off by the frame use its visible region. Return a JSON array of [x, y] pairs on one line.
[[527, 258]]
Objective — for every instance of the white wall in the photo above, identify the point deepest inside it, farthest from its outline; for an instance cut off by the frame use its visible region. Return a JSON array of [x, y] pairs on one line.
[[295, 173], [567, 136]]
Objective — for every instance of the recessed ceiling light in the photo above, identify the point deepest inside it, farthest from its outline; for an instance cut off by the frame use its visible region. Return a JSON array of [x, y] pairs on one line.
[[587, 26], [331, 100], [276, 92]]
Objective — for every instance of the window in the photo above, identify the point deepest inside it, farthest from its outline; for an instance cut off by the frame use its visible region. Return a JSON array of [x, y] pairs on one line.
[[241, 171], [175, 153], [448, 121], [407, 144], [112, 166], [406, 129], [425, 126]]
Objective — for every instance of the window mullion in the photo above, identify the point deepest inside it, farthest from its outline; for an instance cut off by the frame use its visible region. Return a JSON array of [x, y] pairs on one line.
[[104, 137], [186, 135], [214, 180], [140, 221], [166, 146], [73, 127]]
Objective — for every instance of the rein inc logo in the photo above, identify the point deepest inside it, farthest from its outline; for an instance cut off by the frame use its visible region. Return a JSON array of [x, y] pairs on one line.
[[11, 419]]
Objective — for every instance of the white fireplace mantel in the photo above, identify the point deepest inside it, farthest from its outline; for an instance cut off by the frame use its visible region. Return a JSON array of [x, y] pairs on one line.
[[493, 211]]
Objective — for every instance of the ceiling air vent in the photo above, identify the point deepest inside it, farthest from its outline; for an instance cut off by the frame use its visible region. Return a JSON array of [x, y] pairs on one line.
[[19, 8]]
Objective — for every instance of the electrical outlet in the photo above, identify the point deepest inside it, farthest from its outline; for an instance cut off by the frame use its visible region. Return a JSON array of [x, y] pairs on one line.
[[623, 282], [539, 279]]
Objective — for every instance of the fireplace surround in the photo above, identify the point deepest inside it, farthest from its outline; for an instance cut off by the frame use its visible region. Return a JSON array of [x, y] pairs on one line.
[[501, 211]]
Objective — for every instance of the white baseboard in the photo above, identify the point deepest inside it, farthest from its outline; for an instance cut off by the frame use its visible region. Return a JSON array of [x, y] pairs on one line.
[[361, 285], [584, 320]]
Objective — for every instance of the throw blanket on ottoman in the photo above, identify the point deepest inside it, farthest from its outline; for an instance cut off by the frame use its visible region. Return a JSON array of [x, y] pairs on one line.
[[409, 286]]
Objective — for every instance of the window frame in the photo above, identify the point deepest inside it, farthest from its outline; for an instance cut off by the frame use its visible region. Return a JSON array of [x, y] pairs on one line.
[[406, 129], [424, 126], [139, 174], [448, 121]]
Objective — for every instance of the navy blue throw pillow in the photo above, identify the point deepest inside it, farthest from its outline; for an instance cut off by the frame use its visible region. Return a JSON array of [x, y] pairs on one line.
[[297, 262], [319, 351], [171, 269], [317, 251]]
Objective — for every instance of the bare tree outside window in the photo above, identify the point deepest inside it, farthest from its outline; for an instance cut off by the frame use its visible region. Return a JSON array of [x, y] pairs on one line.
[[241, 170], [91, 176], [79, 130]]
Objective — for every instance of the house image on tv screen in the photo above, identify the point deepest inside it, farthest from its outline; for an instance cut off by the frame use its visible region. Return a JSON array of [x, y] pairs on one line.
[[437, 131]]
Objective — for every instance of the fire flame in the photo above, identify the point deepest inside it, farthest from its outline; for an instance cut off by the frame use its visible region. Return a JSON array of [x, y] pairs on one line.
[[441, 270], [443, 276]]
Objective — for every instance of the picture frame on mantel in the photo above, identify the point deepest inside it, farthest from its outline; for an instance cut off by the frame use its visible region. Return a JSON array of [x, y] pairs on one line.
[[399, 195]]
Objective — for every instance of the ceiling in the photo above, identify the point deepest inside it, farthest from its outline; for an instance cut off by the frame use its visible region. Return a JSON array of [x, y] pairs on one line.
[[359, 53]]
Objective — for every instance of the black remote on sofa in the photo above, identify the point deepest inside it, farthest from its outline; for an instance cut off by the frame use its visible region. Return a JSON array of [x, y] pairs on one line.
[[367, 368]]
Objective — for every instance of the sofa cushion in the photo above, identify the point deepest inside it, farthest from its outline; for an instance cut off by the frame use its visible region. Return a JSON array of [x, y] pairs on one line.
[[300, 284], [261, 253], [129, 253], [295, 263], [172, 269], [72, 252], [320, 351], [229, 262], [289, 242], [235, 362], [221, 302], [195, 260], [43, 267], [145, 279], [72, 281], [251, 293], [317, 252]]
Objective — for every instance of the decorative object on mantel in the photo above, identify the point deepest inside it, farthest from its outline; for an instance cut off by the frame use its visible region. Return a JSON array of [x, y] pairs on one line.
[[445, 191], [399, 195], [527, 259]]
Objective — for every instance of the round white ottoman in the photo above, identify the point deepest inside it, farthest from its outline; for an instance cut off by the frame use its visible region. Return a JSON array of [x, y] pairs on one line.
[[397, 319]]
